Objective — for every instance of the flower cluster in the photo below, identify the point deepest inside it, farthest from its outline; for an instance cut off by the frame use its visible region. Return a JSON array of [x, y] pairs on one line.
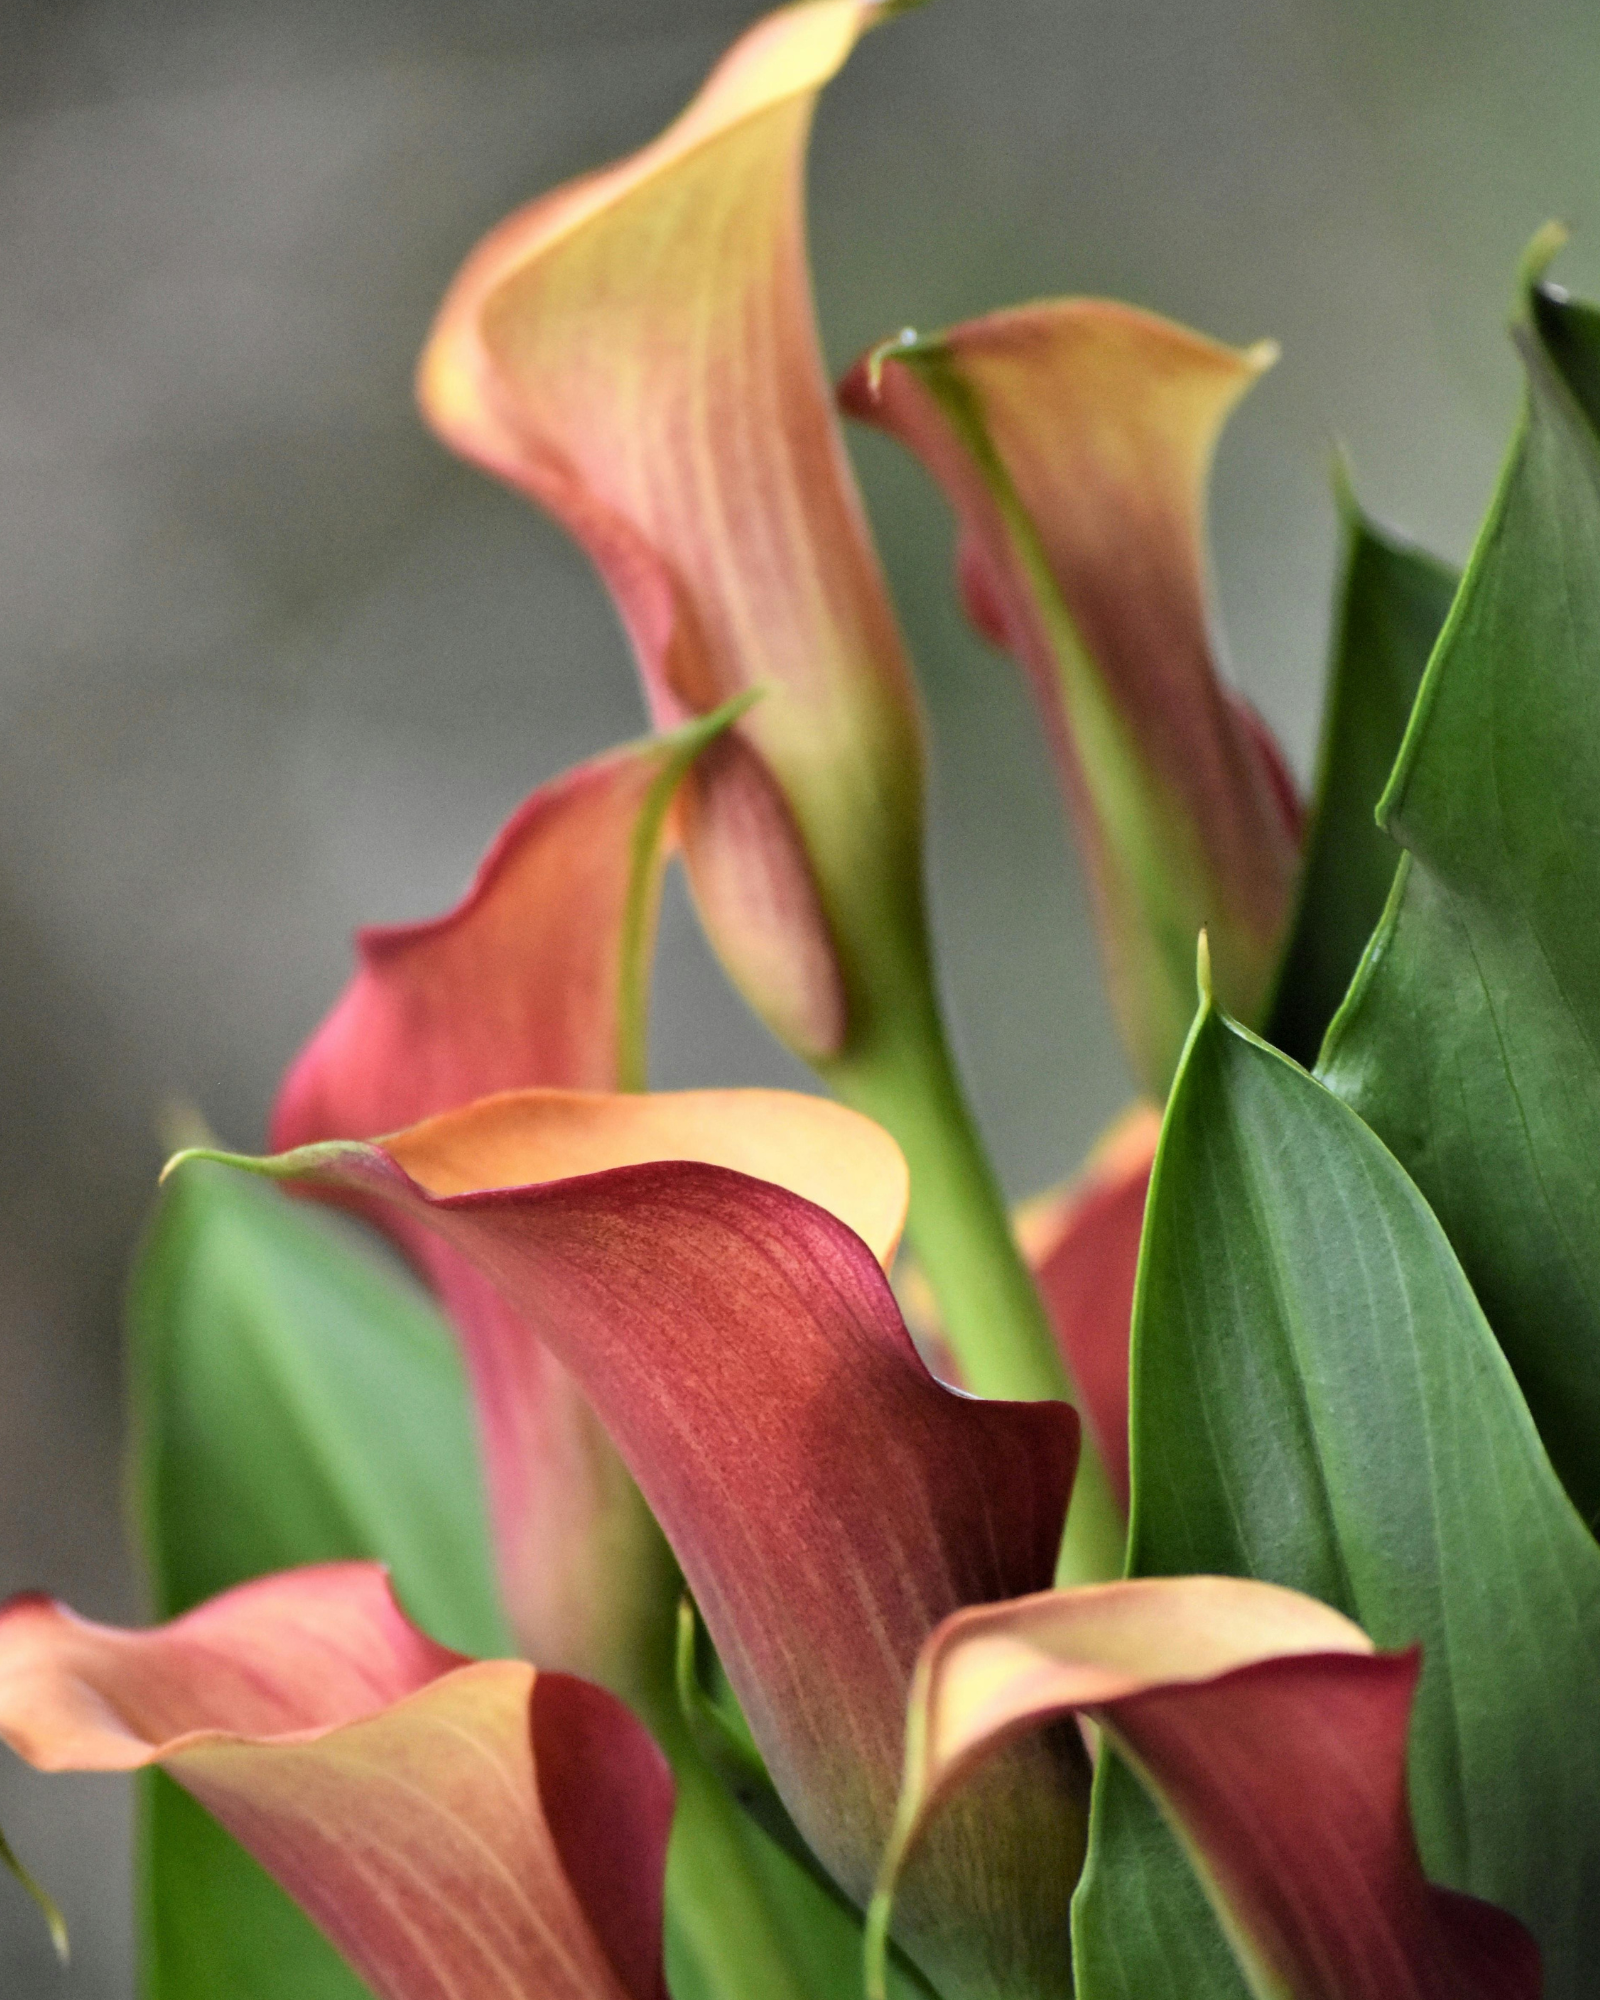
[[1209, 1604]]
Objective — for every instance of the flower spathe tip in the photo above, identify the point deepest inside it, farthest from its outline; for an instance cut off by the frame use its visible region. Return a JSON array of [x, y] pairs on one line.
[[47, 1906]]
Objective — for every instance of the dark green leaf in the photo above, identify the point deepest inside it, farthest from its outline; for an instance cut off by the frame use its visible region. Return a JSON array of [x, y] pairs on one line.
[[1471, 1039], [1392, 603], [1318, 1401], [1141, 1926], [295, 1400]]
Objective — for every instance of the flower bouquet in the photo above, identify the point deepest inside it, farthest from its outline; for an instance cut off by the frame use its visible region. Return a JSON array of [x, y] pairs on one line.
[[1199, 1598]]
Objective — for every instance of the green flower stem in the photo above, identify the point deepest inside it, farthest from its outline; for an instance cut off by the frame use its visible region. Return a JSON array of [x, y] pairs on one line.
[[718, 1911], [731, 1911], [990, 1309]]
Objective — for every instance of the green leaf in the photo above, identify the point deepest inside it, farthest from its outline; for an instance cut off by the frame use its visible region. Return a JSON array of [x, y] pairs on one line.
[[1319, 1402], [1392, 603], [1471, 1039], [295, 1399], [1142, 1928]]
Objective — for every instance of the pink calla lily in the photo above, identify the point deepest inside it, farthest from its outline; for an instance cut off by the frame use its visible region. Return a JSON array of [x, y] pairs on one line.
[[454, 1827], [539, 975], [693, 452], [699, 1407]]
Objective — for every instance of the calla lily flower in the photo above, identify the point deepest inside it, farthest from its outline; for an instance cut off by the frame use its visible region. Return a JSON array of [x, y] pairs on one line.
[[636, 353], [830, 1503], [458, 1827], [1263, 1722], [828, 1500], [1073, 439], [455, 1828], [701, 1414], [691, 449]]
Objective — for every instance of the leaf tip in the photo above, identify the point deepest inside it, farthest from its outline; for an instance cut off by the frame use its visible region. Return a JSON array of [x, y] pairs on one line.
[[1540, 254], [1341, 477], [1261, 355]]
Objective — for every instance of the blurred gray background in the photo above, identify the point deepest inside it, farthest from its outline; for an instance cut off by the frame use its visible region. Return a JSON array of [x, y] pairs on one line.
[[272, 665]]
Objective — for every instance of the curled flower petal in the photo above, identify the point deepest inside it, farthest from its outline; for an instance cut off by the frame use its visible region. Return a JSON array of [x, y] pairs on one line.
[[1082, 1245], [581, 1560], [636, 352], [828, 1500], [825, 1153], [453, 1827], [539, 976], [1273, 1736], [1073, 439]]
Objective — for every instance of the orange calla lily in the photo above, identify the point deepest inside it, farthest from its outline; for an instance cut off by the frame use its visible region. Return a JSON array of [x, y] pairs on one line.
[[692, 451], [1074, 439]]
